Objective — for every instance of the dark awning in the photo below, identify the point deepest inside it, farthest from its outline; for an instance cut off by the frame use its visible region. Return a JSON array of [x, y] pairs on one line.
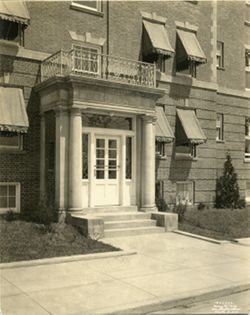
[[192, 46], [15, 11], [191, 127], [163, 131], [158, 37], [13, 115]]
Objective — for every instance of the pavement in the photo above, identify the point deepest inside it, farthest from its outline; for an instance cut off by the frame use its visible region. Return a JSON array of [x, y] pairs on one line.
[[168, 270]]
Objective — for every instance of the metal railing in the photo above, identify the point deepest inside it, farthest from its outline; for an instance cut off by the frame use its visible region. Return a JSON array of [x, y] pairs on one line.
[[84, 62]]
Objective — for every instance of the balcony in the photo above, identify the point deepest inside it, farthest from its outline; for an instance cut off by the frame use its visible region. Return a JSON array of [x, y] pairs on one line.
[[86, 62]]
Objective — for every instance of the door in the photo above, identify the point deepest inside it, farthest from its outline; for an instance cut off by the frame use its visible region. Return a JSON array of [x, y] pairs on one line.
[[107, 170]]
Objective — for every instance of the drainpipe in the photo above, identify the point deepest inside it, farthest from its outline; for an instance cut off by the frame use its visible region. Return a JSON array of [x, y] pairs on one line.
[[107, 8]]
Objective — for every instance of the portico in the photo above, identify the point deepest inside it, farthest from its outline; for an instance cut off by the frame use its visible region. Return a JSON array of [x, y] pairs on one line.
[[104, 143]]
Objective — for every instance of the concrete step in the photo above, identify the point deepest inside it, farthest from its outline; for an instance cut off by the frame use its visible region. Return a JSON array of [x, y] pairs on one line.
[[124, 216], [105, 209], [128, 224], [133, 231]]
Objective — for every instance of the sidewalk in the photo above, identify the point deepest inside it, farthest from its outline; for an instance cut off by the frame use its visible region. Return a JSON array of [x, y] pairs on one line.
[[167, 268]]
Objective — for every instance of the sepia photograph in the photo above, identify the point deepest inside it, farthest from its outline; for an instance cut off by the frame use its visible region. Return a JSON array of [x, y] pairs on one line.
[[124, 157]]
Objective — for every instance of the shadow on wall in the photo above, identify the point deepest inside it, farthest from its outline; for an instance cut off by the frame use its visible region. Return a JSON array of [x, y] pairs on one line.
[[179, 169]]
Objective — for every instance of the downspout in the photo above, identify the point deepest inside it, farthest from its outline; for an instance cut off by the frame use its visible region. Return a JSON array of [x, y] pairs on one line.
[[107, 27]]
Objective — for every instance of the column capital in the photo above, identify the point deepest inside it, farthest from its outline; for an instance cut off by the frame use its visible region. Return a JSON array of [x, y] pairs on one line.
[[61, 110], [75, 112], [149, 119]]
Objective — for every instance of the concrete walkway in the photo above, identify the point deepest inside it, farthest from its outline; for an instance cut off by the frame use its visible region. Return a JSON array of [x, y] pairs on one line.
[[167, 268]]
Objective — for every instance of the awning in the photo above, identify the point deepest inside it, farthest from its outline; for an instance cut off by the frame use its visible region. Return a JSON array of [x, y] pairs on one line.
[[191, 127], [13, 115], [192, 46], [15, 11], [163, 131], [158, 37]]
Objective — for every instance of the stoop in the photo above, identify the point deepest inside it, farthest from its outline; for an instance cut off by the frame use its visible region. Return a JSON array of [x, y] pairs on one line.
[[126, 222]]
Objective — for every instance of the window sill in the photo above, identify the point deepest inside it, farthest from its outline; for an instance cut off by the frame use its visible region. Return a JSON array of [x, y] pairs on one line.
[[186, 157], [220, 68], [86, 10], [161, 157], [246, 160], [247, 23], [12, 151], [220, 141]]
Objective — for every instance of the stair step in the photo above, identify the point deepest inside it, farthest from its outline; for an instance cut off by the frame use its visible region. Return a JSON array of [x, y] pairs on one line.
[[124, 216], [133, 231], [128, 224]]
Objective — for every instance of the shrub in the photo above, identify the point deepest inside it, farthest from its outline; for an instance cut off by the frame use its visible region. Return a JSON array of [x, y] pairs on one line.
[[180, 209], [43, 213], [161, 204], [10, 215], [201, 206], [227, 188]]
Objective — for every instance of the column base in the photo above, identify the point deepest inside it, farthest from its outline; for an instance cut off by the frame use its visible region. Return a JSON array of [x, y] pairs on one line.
[[75, 209], [149, 209]]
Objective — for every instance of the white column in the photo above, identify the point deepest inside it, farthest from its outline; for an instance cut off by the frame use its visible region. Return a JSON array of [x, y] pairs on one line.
[[75, 160], [61, 167], [42, 158], [148, 164]]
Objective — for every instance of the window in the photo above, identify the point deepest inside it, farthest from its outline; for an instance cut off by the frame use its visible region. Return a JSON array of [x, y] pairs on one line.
[[159, 189], [188, 150], [106, 121], [247, 68], [187, 67], [184, 193], [248, 190], [90, 5], [12, 31], [9, 196], [220, 55], [86, 60], [11, 140], [128, 158], [219, 127], [247, 139], [160, 149], [85, 156]]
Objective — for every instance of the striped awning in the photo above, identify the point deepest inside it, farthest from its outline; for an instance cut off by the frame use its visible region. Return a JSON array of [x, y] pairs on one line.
[[13, 115], [191, 131], [191, 46], [163, 131], [15, 11], [158, 37]]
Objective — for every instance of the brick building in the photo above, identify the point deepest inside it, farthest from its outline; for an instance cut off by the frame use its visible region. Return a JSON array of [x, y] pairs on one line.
[[111, 103]]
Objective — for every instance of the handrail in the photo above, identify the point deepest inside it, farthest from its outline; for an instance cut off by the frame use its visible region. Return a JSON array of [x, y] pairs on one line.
[[83, 62]]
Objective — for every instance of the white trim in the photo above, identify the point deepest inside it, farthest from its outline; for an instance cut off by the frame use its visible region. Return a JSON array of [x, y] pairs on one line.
[[18, 194], [86, 7]]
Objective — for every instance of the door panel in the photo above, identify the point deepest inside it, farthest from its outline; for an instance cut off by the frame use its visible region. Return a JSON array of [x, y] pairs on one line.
[[106, 170]]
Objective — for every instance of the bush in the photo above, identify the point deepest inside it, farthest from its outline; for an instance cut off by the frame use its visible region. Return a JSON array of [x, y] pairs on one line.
[[180, 209], [10, 215], [201, 206], [44, 213], [161, 204], [227, 188]]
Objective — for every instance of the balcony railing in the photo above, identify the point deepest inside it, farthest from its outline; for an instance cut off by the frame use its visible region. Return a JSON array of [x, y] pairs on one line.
[[87, 63]]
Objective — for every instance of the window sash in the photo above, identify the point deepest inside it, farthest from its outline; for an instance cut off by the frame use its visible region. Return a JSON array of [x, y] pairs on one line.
[[184, 193], [219, 127], [9, 196], [12, 145], [220, 55]]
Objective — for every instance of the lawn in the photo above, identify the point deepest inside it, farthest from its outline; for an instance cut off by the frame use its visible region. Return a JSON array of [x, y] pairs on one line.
[[220, 224], [21, 240]]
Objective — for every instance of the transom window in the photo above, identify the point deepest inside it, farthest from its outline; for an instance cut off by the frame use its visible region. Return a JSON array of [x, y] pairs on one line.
[[220, 55], [9, 196], [89, 5], [107, 121], [184, 193], [11, 140], [219, 127]]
